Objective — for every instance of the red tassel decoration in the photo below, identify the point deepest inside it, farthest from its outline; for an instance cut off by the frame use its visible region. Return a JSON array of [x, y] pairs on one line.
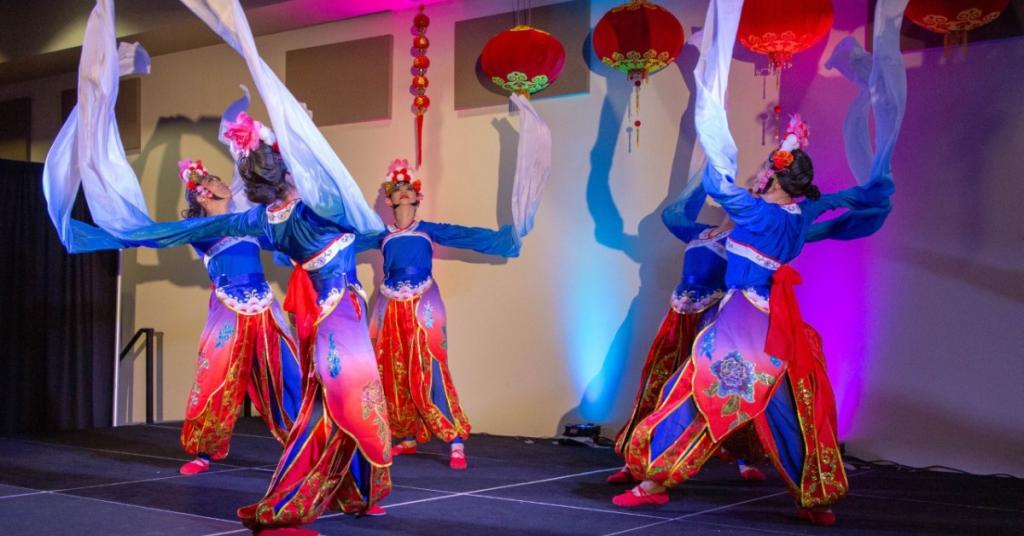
[[420, 62], [419, 139]]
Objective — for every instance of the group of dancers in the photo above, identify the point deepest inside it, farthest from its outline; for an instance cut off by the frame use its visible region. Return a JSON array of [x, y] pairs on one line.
[[733, 368]]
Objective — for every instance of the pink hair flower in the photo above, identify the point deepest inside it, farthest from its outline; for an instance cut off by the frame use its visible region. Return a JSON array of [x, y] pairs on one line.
[[797, 134], [244, 133]]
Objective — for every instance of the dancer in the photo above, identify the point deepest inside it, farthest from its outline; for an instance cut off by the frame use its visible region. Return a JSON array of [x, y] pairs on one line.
[[758, 362], [409, 325], [692, 305], [245, 345], [338, 450]]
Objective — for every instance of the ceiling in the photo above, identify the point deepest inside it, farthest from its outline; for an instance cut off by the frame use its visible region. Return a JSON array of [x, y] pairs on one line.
[[37, 42]]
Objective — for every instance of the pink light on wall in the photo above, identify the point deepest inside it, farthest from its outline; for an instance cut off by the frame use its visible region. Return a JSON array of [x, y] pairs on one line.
[[298, 13], [342, 9]]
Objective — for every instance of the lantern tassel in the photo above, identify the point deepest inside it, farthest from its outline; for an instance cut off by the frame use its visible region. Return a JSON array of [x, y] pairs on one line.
[[777, 110], [419, 140]]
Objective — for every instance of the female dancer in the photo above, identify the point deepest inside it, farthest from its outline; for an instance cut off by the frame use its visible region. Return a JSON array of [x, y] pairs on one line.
[[409, 322], [758, 362], [245, 346], [338, 451], [408, 326], [701, 286], [245, 340]]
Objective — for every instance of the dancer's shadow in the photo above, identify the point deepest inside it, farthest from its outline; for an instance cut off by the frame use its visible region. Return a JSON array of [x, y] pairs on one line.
[[168, 136], [659, 256]]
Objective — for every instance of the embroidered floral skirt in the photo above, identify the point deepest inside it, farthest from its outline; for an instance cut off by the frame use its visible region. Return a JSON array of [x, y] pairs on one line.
[[240, 353], [338, 453], [670, 349], [731, 384], [410, 340]]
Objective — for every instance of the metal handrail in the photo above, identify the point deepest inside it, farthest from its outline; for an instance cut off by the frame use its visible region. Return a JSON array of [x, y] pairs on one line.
[[150, 335]]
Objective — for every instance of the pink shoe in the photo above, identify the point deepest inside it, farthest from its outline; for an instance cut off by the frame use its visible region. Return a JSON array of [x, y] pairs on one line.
[[751, 473], [403, 449], [374, 511], [822, 517], [194, 467], [622, 476], [638, 496], [284, 531], [458, 460]]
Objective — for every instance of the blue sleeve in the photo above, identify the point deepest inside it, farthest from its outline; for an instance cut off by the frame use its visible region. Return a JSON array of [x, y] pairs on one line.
[[370, 241], [171, 234], [744, 209], [504, 242], [867, 208], [681, 216]]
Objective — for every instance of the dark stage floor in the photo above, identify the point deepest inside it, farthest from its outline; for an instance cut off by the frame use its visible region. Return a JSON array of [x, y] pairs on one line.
[[125, 481]]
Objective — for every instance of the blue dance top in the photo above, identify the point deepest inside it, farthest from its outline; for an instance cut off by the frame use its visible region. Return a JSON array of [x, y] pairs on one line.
[[409, 253]]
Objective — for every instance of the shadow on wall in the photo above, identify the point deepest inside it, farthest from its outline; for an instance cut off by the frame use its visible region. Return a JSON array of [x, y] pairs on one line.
[[167, 135], [609, 394]]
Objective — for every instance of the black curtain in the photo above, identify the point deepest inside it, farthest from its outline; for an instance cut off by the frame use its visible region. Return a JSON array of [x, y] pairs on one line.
[[57, 316]]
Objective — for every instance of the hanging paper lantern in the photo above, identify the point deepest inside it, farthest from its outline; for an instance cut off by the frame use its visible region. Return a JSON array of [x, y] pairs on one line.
[[954, 18], [523, 60], [638, 38], [781, 28], [418, 87]]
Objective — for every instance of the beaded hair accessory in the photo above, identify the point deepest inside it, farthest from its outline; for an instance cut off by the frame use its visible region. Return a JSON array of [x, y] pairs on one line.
[[797, 137], [192, 173], [399, 172]]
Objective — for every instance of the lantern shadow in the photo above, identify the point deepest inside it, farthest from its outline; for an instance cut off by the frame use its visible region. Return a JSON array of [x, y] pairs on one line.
[[607, 396]]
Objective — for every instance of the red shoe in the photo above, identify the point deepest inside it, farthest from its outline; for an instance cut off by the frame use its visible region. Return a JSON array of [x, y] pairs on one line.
[[247, 512], [458, 460], [373, 511], [751, 473], [402, 448], [638, 496], [825, 517], [194, 467], [284, 531], [622, 476]]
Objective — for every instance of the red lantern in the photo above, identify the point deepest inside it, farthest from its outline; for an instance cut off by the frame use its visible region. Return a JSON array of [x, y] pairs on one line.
[[523, 60], [638, 38], [954, 18], [781, 28]]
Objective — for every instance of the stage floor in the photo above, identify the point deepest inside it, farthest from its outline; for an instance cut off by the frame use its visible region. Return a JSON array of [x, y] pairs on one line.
[[125, 481]]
